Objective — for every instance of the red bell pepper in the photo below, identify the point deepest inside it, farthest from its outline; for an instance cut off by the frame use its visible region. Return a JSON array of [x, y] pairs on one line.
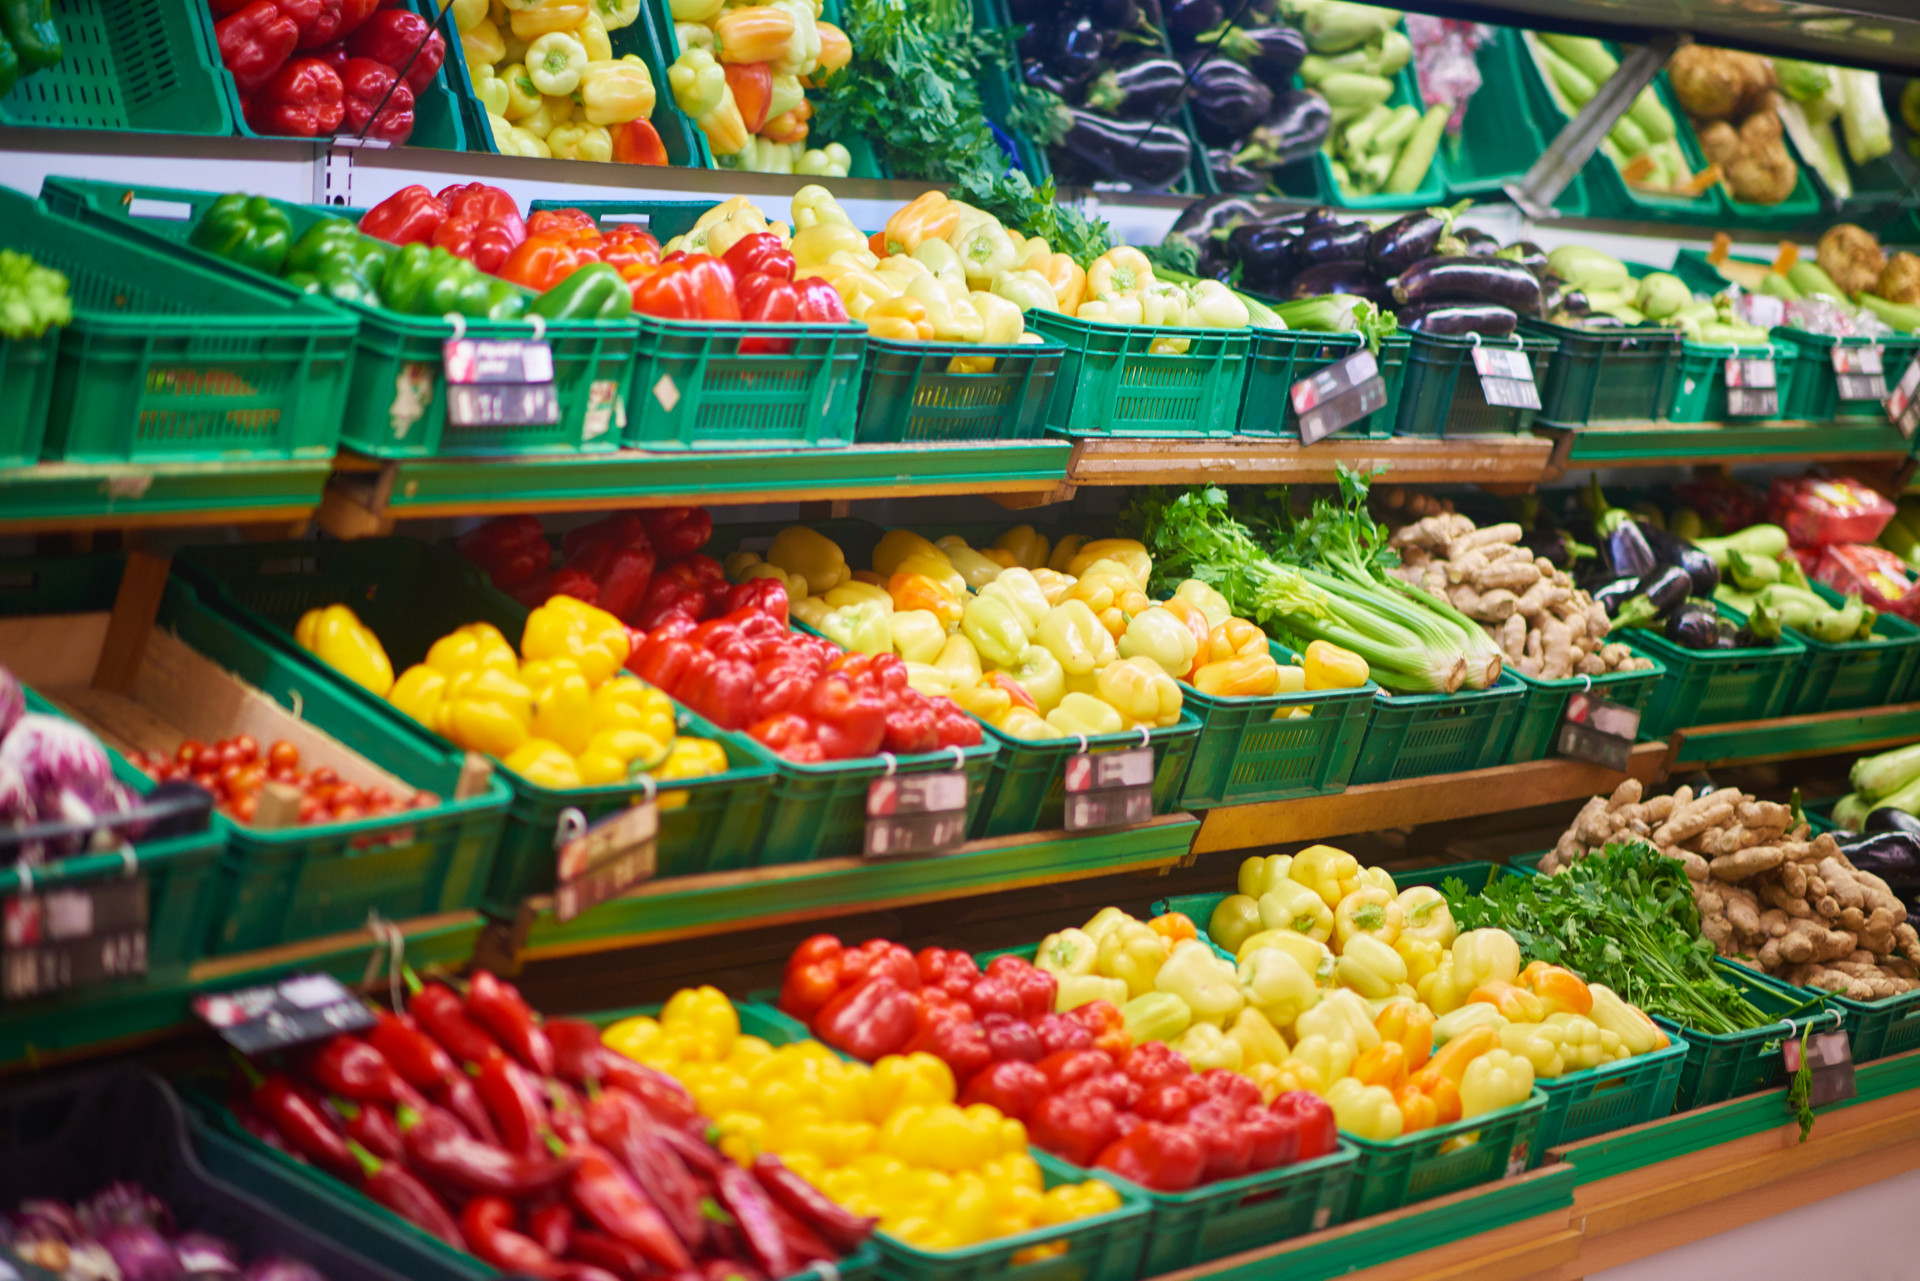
[[372, 86], [1155, 1063], [512, 549], [392, 36], [1036, 987], [388, 1181], [1068, 1069], [955, 727], [705, 572], [1276, 1141], [697, 287], [1011, 1038], [1057, 1032], [1102, 1018], [565, 581], [254, 42], [662, 661], [335, 55], [768, 300], [574, 226], [880, 958], [949, 969], [752, 86], [304, 99], [720, 689], [911, 728], [618, 555], [990, 995], [637, 142], [820, 303], [669, 596], [1166, 1158], [758, 254], [851, 722], [763, 595], [1229, 1146], [498, 1007], [483, 225], [630, 250], [1231, 1088], [1312, 1118], [677, 531], [1075, 1126], [409, 216], [1015, 1087], [870, 1020], [955, 1040], [335, 20], [812, 977], [1168, 1101]]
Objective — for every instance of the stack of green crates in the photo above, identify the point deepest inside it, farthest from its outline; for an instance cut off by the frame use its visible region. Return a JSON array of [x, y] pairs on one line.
[[1715, 686]]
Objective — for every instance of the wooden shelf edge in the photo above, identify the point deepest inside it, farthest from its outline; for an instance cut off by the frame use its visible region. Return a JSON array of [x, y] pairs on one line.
[[1259, 460]]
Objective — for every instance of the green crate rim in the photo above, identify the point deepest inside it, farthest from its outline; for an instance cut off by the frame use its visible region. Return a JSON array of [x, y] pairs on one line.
[[1378, 1149]]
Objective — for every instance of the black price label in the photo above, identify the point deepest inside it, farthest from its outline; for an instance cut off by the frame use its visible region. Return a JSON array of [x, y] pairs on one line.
[[502, 405], [1903, 402], [1340, 394], [294, 1011], [500, 384], [1506, 378], [607, 859], [1830, 1062], [1752, 387], [1122, 807], [73, 936], [1858, 372], [910, 814], [1599, 730], [1109, 789]]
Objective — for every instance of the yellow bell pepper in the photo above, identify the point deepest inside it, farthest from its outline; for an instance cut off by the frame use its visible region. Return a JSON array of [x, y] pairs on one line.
[[1326, 1060], [578, 140], [1084, 715], [699, 86], [1538, 1044], [855, 592], [1028, 291], [1028, 546], [938, 257], [1234, 919], [488, 710], [815, 243], [1261, 873], [1259, 1040], [1366, 1111], [998, 630], [930, 216], [1162, 637], [565, 627], [1465, 1019], [335, 635], [612, 755], [815, 206], [1207, 984], [812, 555], [1067, 952], [1408, 1024], [690, 757], [1206, 1046], [1140, 690], [1370, 967], [563, 713], [468, 14], [523, 99], [489, 88], [1065, 277], [1495, 1080], [1205, 599], [555, 62], [1440, 990], [1424, 915], [548, 116], [627, 702], [544, 764], [1342, 1018], [483, 44], [1422, 956], [1277, 985], [1076, 638], [907, 1080], [1315, 958], [1485, 956], [899, 319], [1583, 1044], [1156, 1016], [1369, 910], [1002, 320], [419, 692], [1127, 555], [1328, 872], [754, 33], [1121, 270], [862, 627], [1289, 905], [1330, 667], [1638, 1034], [1245, 676], [1039, 673], [1074, 990], [1131, 952], [918, 634], [616, 91], [953, 317]]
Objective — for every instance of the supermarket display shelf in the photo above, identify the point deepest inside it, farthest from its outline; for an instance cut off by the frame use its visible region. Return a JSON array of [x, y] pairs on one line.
[[692, 906], [1246, 460], [95, 1020], [1866, 730], [1665, 444], [81, 496]]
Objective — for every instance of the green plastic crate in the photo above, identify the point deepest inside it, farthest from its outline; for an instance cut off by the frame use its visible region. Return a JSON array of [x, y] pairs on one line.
[[1392, 1173], [146, 66], [1700, 392], [1027, 791], [693, 388], [1722, 1066], [1545, 703], [1602, 375], [1875, 1029], [1816, 395], [820, 811], [26, 385], [1254, 749], [1110, 384], [1441, 394], [411, 593], [1715, 686], [1501, 135], [1276, 360], [396, 404], [1433, 187], [1838, 678], [910, 392], [167, 361], [304, 882], [1412, 735]]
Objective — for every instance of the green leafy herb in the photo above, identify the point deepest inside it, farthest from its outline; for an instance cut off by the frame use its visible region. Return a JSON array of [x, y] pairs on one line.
[[1035, 211], [1623, 917], [1800, 1090]]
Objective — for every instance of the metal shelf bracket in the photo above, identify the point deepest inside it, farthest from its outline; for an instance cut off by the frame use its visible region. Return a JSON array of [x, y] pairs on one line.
[[1576, 142]]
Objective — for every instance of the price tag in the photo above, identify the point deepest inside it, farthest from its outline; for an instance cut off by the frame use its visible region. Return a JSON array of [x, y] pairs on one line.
[[294, 1011], [1506, 378], [1830, 1056], [499, 384], [73, 936], [606, 859], [1109, 789], [1599, 730], [1858, 372], [1517, 1160], [1752, 388], [1342, 393], [1903, 402], [916, 814]]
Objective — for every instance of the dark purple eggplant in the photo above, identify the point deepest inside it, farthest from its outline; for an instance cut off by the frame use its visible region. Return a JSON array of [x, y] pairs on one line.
[[1227, 101], [1265, 254], [1321, 216], [1457, 317], [1666, 586], [1889, 819], [1230, 175], [1095, 149], [1072, 50], [1188, 18], [1506, 283], [1273, 53], [1892, 854], [1528, 255], [1336, 278], [1478, 242], [1335, 242], [1040, 78], [1222, 214], [1138, 92], [1294, 129], [1615, 594], [1626, 550], [1670, 549], [1560, 548], [1694, 625], [1403, 242]]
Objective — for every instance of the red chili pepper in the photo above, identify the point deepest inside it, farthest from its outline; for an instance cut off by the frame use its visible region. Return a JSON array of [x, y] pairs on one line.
[[483, 225], [409, 216], [372, 1127], [698, 287], [637, 142], [620, 1123], [348, 1066], [254, 41], [617, 1257], [410, 1052], [439, 1152], [752, 1212], [392, 35], [514, 1102], [372, 86], [602, 1192], [259, 1127], [304, 99], [498, 1007], [841, 1228], [394, 1186], [577, 1050], [820, 303], [488, 1224], [1313, 1117], [458, 1097], [443, 1016], [335, 20], [677, 531], [304, 1126], [869, 1021], [1075, 1126]]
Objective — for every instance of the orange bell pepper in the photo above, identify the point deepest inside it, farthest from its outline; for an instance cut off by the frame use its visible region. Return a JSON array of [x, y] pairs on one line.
[[1418, 1110], [1384, 1064], [1560, 991], [836, 49], [1196, 622], [1067, 279], [1018, 693], [918, 591], [1248, 676], [752, 85], [630, 250], [1515, 1003], [1236, 638], [637, 142], [1173, 927], [542, 262], [569, 225], [790, 126], [1409, 1025], [1439, 1080], [877, 242], [929, 216]]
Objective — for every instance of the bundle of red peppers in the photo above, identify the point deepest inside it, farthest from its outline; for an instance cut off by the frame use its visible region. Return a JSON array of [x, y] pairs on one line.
[[1085, 1092], [753, 281], [313, 67], [639, 566], [537, 1149]]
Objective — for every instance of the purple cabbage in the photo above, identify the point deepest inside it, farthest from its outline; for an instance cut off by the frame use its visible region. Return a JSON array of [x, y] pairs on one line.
[[55, 755], [13, 700], [44, 1220], [124, 1203], [281, 1268], [141, 1253], [203, 1255], [17, 810]]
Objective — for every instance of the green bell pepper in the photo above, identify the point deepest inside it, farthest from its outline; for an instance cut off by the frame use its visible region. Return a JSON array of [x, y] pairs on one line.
[[424, 280], [29, 27], [594, 292], [249, 230], [333, 258]]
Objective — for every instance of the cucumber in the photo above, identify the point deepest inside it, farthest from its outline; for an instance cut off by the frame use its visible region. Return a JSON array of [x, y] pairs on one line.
[[1589, 56], [1353, 90], [1629, 137], [1775, 285], [1808, 278], [1654, 119], [1573, 83]]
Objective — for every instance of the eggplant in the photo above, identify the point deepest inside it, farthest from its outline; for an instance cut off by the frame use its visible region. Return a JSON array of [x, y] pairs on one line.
[[1337, 278], [1506, 283], [1072, 50], [1223, 213], [1040, 78], [1560, 548], [1334, 242], [1272, 53], [1230, 175], [1227, 102], [1667, 586], [1142, 91], [1403, 242], [1295, 128], [1144, 154], [1263, 248], [1455, 317], [1695, 625], [1669, 549], [1893, 855], [1887, 818], [1478, 243], [1528, 255], [1188, 18], [1319, 216], [1615, 594]]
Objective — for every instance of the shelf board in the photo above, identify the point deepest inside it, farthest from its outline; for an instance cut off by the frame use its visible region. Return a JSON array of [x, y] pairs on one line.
[[688, 907], [1666, 444], [1793, 737], [1247, 460], [51, 497]]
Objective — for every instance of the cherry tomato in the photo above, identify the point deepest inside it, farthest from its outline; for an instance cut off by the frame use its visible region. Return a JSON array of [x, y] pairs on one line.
[[283, 755], [310, 811], [379, 796], [347, 794], [228, 754], [247, 746], [422, 801], [280, 774], [347, 813], [325, 774], [189, 750], [252, 775], [322, 793], [243, 808]]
